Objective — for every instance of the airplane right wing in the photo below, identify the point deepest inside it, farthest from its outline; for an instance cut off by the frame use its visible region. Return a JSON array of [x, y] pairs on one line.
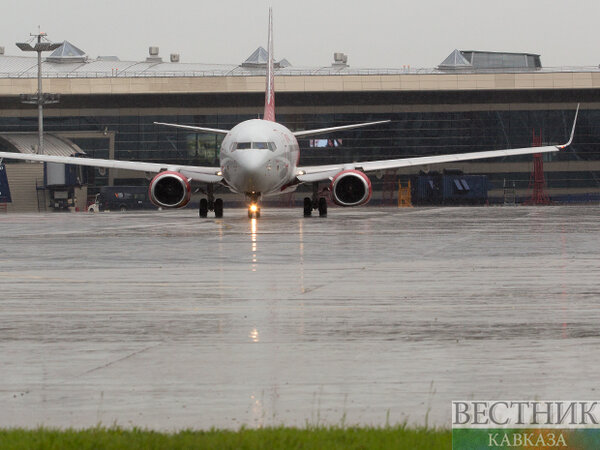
[[197, 173]]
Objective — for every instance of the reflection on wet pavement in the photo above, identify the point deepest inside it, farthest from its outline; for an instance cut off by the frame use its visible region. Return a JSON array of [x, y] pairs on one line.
[[161, 320]]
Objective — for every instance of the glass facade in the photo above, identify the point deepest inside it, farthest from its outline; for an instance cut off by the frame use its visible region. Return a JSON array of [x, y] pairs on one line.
[[437, 129]]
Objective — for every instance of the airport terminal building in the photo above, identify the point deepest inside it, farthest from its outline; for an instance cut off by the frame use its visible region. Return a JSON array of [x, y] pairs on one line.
[[472, 101]]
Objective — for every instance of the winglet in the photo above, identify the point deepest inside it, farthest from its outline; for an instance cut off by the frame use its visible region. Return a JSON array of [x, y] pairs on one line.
[[270, 88], [562, 147]]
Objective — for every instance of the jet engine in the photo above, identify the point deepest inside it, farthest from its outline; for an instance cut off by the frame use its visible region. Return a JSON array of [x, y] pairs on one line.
[[351, 188], [170, 190]]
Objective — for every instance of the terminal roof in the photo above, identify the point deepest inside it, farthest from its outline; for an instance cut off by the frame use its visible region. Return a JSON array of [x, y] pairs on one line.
[[67, 52], [28, 143], [258, 57], [455, 60], [68, 61]]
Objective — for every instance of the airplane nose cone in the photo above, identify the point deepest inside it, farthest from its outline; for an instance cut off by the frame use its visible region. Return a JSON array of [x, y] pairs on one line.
[[252, 160], [253, 165]]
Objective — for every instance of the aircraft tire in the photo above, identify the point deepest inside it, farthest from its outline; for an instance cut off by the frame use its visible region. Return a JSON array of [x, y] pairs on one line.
[[203, 208], [322, 207], [218, 208], [307, 207]]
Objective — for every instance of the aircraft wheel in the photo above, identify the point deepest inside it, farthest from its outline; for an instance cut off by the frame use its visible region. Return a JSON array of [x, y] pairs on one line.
[[307, 207], [218, 208], [203, 208], [322, 207], [253, 210]]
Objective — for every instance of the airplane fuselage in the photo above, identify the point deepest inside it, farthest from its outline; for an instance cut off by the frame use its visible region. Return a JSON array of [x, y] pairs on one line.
[[259, 158]]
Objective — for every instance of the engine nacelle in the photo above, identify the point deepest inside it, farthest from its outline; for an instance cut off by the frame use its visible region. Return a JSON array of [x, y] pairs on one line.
[[170, 190], [351, 188]]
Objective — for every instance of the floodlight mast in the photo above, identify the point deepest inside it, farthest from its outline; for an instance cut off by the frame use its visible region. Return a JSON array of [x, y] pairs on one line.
[[40, 46]]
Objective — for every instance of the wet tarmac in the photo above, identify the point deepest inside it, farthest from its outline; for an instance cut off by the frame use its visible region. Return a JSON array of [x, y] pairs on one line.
[[161, 320]]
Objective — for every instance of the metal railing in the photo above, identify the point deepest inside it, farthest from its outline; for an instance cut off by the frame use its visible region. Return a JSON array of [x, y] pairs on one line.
[[323, 71]]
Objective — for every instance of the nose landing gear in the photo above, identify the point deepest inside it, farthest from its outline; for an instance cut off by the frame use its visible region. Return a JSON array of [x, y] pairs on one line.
[[253, 211], [253, 207]]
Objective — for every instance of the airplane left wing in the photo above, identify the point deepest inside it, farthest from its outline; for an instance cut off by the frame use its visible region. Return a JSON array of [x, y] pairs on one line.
[[196, 173], [311, 174]]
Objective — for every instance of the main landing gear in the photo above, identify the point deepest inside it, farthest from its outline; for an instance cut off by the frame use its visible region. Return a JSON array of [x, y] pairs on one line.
[[206, 206], [317, 202], [210, 204]]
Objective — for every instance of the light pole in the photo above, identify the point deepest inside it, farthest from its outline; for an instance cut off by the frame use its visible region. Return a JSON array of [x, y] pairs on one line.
[[39, 99]]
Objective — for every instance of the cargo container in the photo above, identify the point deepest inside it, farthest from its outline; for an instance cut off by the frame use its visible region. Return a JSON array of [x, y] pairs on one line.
[[449, 188]]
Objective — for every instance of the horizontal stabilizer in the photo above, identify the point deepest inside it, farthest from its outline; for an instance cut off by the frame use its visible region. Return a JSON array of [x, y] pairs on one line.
[[314, 132], [192, 128]]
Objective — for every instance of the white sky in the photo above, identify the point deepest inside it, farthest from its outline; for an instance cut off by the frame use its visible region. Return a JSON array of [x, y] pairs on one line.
[[373, 33]]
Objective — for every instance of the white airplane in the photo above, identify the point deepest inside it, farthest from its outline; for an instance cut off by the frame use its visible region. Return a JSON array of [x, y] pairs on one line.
[[259, 158]]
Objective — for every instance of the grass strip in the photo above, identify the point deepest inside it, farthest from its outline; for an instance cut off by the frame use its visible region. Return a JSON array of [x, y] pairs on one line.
[[273, 438]]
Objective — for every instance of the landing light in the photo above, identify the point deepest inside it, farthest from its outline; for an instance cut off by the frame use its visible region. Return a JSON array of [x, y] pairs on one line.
[[253, 208]]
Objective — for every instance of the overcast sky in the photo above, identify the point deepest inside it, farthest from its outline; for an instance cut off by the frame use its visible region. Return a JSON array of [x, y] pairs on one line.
[[373, 33]]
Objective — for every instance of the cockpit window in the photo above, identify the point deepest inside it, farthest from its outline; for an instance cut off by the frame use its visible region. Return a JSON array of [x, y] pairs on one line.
[[256, 145]]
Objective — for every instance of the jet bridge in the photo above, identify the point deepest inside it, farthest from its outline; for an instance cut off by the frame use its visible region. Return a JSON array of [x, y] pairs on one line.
[[56, 185]]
